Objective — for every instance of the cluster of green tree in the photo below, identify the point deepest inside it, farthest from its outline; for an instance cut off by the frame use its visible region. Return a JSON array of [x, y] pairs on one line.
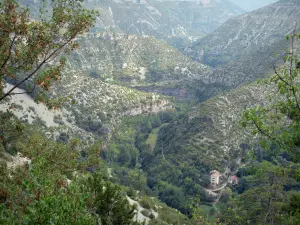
[[269, 194], [128, 145], [136, 164], [63, 185], [95, 126], [182, 172], [203, 92]]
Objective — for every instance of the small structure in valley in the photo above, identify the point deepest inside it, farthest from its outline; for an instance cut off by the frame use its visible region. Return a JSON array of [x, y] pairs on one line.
[[215, 177], [234, 180]]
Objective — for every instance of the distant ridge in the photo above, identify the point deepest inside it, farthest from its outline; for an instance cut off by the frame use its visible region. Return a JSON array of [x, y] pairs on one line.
[[245, 47]]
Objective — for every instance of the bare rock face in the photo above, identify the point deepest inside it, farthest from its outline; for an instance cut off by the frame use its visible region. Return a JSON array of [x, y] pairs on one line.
[[17, 161], [151, 107]]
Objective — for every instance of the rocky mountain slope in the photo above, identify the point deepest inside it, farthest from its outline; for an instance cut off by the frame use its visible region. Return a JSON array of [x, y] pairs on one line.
[[95, 110], [110, 72], [143, 63], [108, 76], [55, 123], [99, 106], [132, 59], [245, 47], [163, 19]]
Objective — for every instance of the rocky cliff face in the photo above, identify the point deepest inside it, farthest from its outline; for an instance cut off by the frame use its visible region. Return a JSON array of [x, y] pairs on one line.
[[163, 19], [244, 48]]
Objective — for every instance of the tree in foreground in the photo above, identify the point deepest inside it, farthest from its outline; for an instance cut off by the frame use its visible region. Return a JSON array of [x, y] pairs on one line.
[[31, 42], [109, 202], [33, 46], [272, 196], [279, 121]]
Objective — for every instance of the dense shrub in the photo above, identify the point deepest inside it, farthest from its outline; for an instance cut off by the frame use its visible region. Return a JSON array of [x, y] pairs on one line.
[[145, 203]]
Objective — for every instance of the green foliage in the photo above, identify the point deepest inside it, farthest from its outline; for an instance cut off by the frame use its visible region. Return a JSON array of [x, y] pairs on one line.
[[174, 197], [94, 126], [37, 192], [10, 129], [150, 173], [293, 208], [270, 193], [124, 157], [132, 193], [169, 216], [109, 202], [186, 173], [152, 139], [279, 121], [200, 213], [145, 203], [266, 199]]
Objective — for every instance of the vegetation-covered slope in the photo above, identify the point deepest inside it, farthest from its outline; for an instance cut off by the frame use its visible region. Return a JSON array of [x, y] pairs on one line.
[[56, 182], [209, 137], [153, 145]]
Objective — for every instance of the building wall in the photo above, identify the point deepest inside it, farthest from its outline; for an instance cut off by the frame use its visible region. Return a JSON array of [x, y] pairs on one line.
[[214, 180]]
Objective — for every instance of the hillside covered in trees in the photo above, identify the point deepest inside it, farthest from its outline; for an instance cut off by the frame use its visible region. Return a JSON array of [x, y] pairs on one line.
[[149, 112]]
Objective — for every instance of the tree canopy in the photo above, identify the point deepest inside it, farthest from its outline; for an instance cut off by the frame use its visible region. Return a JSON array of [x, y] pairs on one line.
[[31, 42]]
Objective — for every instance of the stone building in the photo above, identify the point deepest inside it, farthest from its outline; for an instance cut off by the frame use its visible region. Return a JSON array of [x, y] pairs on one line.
[[215, 177]]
